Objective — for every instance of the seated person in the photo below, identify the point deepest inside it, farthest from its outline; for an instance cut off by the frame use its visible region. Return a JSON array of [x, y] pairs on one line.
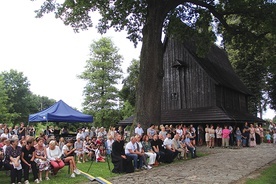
[[41, 159], [170, 151], [179, 146], [54, 155], [27, 158], [141, 152], [68, 157], [88, 149], [118, 157], [108, 144], [157, 147], [78, 145], [190, 146], [148, 151], [133, 153], [99, 152], [12, 161], [1, 157]]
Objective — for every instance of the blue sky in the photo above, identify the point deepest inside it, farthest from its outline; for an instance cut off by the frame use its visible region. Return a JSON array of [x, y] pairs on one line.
[[50, 54]]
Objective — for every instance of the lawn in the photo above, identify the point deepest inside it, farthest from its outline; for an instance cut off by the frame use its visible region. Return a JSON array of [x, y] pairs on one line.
[[96, 170], [267, 176]]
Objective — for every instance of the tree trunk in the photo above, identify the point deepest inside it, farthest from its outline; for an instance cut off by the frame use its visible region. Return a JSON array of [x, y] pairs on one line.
[[148, 99]]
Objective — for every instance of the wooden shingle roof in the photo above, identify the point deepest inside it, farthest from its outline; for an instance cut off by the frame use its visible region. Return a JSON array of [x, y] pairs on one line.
[[206, 114], [217, 65]]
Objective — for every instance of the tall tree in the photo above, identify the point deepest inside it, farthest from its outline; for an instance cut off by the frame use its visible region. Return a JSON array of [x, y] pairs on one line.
[[17, 88], [3, 103], [145, 20], [253, 57], [129, 89], [102, 73]]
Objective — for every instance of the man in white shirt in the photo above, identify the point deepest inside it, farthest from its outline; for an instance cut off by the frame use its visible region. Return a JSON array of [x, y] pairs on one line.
[[170, 151], [132, 152], [138, 130]]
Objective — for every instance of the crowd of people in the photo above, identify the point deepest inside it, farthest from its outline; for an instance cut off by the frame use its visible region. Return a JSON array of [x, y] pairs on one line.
[[21, 150]]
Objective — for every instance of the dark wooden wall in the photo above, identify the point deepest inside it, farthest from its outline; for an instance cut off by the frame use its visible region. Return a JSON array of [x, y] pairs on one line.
[[230, 99], [188, 86]]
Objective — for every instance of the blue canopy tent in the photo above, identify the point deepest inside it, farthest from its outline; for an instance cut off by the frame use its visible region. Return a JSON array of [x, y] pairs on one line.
[[60, 112]]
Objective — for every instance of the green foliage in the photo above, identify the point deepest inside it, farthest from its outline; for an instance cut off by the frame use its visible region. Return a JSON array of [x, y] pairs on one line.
[[3, 103], [244, 21], [17, 89], [253, 54], [127, 110], [17, 101], [128, 91], [102, 73]]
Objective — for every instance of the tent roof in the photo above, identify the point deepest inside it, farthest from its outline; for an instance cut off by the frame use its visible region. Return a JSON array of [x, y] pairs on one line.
[[60, 112]]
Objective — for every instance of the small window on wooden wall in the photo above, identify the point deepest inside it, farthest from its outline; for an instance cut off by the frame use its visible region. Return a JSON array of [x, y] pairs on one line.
[[174, 96]]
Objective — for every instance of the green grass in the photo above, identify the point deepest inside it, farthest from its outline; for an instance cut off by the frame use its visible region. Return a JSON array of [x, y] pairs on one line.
[[267, 176], [97, 170]]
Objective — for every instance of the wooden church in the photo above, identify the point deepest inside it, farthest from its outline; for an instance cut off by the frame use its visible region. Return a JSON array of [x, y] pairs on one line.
[[201, 90]]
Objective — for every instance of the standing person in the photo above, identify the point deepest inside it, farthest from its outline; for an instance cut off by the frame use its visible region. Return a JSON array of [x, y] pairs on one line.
[[15, 130], [54, 155], [41, 159], [163, 132], [268, 137], [246, 132], [212, 137], [139, 130], [192, 133], [121, 132], [257, 134], [274, 137], [238, 137], [21, 131], [12, 161], [179, 130], [151, 131], [261, 133], [6, 134], [207, 137], [200, 134], [219, 136], [225, 137], [252, 137], [27, 157]]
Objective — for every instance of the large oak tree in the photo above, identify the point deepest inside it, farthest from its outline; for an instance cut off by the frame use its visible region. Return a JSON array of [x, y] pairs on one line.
[[145, 20]]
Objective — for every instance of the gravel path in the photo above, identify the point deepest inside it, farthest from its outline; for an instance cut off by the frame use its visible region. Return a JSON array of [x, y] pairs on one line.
[[219, 167]]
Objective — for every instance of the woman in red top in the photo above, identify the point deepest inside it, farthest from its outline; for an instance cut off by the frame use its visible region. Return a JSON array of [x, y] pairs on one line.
[[225, 137]]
